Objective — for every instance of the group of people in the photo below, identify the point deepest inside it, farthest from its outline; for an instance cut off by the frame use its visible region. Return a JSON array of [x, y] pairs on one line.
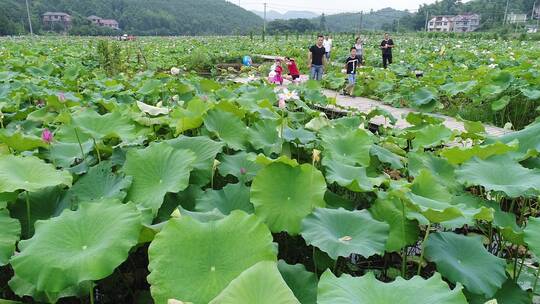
[[319, 55]]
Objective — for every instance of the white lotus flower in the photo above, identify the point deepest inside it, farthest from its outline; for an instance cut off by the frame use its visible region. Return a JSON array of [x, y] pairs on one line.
[[492, 59], [175, 71], [288, 95], [402, 51], [493, 65]]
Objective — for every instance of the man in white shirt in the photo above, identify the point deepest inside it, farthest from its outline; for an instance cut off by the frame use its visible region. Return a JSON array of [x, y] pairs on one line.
[[327, 43]]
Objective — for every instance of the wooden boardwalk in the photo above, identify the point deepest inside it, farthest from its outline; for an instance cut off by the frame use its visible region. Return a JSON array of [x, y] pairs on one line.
[[366, 105]]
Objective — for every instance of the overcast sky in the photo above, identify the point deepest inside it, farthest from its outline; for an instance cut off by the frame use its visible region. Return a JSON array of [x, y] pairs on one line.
[[330, 6]]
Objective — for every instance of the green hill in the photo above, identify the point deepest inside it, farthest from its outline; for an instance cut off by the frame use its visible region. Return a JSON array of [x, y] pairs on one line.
[[139, 17], [350, 22]]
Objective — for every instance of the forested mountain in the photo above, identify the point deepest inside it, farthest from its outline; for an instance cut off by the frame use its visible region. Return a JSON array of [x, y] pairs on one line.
[[155, 17], [350, 22], [273, 15], [492, 11]]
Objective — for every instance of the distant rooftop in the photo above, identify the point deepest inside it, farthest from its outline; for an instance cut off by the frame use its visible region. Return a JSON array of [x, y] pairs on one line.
[[55, 14]]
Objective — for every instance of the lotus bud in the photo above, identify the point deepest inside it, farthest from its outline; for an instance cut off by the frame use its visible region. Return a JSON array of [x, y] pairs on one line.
[[243, 171], [61, 97], [47, 136], [216, 164], [176, 213], [508, 126], [316, 156]]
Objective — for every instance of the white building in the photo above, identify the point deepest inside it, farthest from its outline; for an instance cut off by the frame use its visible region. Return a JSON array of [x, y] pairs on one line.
[[459, 23], [440, 24], [516, 18]]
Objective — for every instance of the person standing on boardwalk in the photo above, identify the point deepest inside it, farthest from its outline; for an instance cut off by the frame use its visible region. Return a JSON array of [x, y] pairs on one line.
[[386, 46], [327, 43], [351, 65], [317, 59], [359, 46]]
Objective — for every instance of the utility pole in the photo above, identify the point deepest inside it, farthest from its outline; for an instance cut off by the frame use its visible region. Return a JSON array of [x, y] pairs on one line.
[[29, 20], [427, 20], [534, 9], [361, 21], [506, 11], [264, 24]]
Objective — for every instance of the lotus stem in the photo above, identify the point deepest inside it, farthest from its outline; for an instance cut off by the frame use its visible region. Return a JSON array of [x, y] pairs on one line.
[[516, 275], [423, 249], [535, 281], [79, 141], [91, 293], [28, 220], [404, 256], [97, 150], [314, 261]]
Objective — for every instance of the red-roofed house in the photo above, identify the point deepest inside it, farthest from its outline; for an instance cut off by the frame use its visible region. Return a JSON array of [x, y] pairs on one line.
[[110, 23]]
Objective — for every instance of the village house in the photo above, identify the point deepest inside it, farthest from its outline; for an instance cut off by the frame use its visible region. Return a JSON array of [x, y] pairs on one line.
[[110, 23], [51, 18], [459, 23], [516, 18]]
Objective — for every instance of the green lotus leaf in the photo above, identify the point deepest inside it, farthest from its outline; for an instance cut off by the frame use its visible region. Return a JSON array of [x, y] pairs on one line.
[[231, 197], [22, 288], [431, 199], [527, 138], [500, 173], [431, 136], [531, 93], [29, 173], [299, 135], [228, 127], [348, 146], [510, 293], [157, 170], [532, 235], [204, 148], [261, 283], [454, 88], [242, 165], [368, 290], [264, 136], [302, 282], [191, 117], [64, 154], [99, 183], [264, 160], [340, 232], [284, 195], [110, 125], [424, 98], [458, 155], [9, 235], [403, 232], [195, 261], [351, 177], [19, 141], [150, 86], [440, 168], [386, 156], [500, 104], [463, 259], [78, 246], [472, 209], [205, 216], [317, 123], [506, 222]]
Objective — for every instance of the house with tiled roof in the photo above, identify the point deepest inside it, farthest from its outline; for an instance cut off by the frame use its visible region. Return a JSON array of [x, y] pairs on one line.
[[110, 23], [56, 17]]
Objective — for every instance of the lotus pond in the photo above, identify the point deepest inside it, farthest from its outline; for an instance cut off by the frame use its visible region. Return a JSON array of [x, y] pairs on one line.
[[125, 181]]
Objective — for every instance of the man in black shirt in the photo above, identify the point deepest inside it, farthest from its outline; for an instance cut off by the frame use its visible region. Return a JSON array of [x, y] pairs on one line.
[[351, 65], [386, 46], [316, 59]]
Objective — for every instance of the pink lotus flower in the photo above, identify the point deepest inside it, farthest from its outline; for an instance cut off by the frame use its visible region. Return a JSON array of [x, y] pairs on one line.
[[243, 171], [47, 136], [282, 104], [61, 97]]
